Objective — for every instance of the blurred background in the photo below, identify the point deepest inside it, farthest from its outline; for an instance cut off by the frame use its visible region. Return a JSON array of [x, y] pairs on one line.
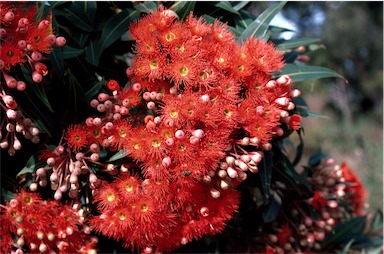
[[352, 44]]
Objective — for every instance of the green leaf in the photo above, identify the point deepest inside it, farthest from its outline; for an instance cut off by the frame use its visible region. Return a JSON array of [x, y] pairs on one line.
[[56, 55], [92, 51], [94, 90], [242, 20], [117, 156], [183, 8], [146, 7], [76, 95], [306, 112], [272, 209], [41, 11], [315, 159], [345, 231], [240, 5], [116, 26], [81, 38], [259, 27], [7, 195], [265, 172], [299, 149], [77, 15], [347, 247], [69, 52], [32, 165], [226, 6], [377, 221], [294, 43], [307, 72], [38, 89]]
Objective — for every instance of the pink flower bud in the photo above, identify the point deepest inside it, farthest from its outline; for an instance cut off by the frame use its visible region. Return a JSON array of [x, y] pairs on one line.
[[169, 141], [151, 105], [103, 97], [9, 80], [166, 161], [260, 110], [21, 85], [215, 193], [198, 133], [100, 108], [129, 72], [194, 140], [16, 145], [22, 44], [159, 96], [50, 39], [124, 111], [54, 177], [92, 178], [224, 184], [23, 22], [95, 157], [283, 101], [96, 121], [295, 93], [94, 148], [44, 24], [204, 211], [11, 114], [9, 16], [108, 126], [94, 103], [242, 165], [73, 179], [230, 160], [36, 56], [147, 96], [207, 179], [284, 80], [205, 98], [3, 32], [153, 95], [60, 41], [271, 84], [58, 194], [232, 173], [136, 87], [179, 134], [4, 144], [37, 77], [89, 121]]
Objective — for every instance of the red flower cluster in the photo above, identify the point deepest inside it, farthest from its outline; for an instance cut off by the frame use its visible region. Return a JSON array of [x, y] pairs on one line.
[[339, 196], [197, 115], [31, 225]]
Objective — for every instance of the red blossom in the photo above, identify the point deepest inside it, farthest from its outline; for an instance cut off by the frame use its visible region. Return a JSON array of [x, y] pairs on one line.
[[77, 137], [295, 121], [318, 201]]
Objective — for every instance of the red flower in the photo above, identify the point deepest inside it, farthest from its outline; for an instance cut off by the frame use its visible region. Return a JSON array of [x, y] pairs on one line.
[[284, 235], [77, 137], [318, 201], [295, 121]]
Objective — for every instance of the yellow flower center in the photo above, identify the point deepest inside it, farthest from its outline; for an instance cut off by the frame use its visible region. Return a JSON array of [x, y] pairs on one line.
[[153, 64], [184, 71], [111, 197]]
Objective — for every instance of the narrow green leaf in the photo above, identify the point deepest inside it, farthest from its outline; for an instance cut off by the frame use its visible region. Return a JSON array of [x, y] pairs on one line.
[[183, 8], [265, 172], [94, 90], [90, 8], [92, 51], [307, 72], [40, 11], [6, 195], [272, 209], [294, 43], [290, 56], [56, 4], [242, 20], [377, 221], [299, 149], [69, 52], [315, 159], [32, 165], [347, 247], [36, 113], [77, 16], [38, 89], [306, 112], [259, 27], [81, 38], [146, 7], [226, 6], [116, 26], [240, 5], [76, 96], [345, 231], [117, 156], [56, 55]]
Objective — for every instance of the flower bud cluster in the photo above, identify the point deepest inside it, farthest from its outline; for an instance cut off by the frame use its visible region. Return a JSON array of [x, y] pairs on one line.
[[24, 40], [338, 196], [66, 171], [15, 125], [34, 225]]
